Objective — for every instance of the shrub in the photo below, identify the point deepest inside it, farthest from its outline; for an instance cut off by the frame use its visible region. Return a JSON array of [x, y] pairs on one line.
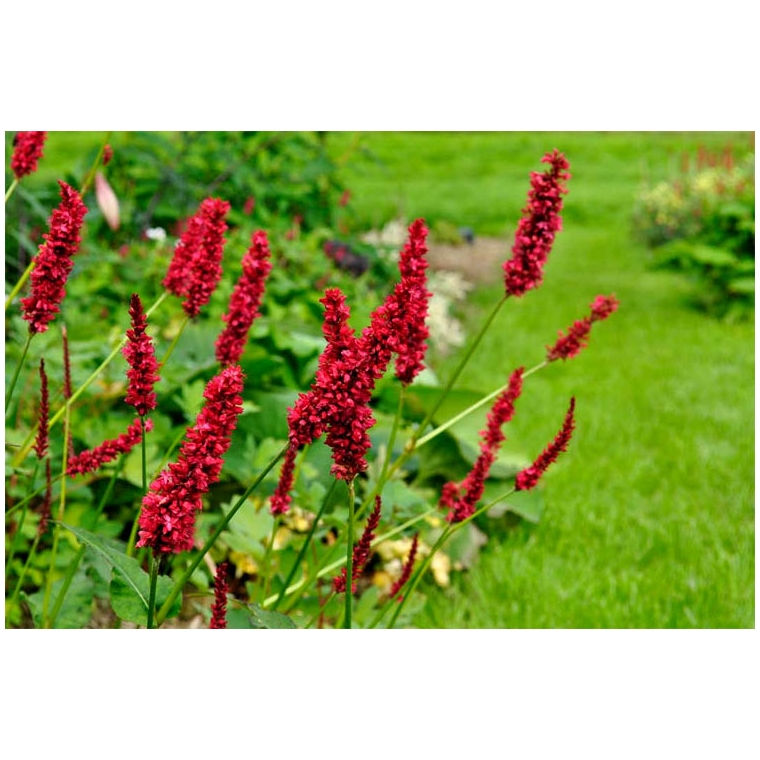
[[702, 223]]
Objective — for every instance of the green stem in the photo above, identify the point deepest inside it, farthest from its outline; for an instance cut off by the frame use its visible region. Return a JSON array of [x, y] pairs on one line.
[[154, 563], [9, 392], [28, 562], [20, 284], [47, 622], [349, 556], [10, 190], [17, 533], [98, 159], [133, 533], [175, 340], [180, 584], [305, 546], [264, 580]]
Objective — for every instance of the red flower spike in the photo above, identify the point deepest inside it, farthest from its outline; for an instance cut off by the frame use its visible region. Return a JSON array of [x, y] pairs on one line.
[[529, 477], [41, 440], [27, 151], [538, 227], [141, 355], [53, 262], [107, 154], [406, 571], [461, 498], [338, 401], [361, 551], [94, 459], [570, 345], [196, 267], [167, 520], [219, 608], [245, 300]]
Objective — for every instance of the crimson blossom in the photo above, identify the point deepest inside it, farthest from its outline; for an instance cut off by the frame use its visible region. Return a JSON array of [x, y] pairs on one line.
[[529, 477], [196, 266], [536, 230], [94, 459], [41, 439], [53, 262], [245, 300], [406, 570], [167, 520], [461, 498], [27, 151], [578, 333], [141, 355], [338, 401]]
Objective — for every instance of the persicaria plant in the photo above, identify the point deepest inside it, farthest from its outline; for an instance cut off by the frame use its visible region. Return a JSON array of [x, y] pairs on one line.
[[213, 493]]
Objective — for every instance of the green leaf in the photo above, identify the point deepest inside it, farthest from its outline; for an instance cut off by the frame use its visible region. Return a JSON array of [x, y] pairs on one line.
[[130, 585], [267, 618], [744, 285]]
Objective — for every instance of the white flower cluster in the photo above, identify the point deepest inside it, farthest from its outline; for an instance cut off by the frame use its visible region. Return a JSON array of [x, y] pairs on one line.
[[448, 288]]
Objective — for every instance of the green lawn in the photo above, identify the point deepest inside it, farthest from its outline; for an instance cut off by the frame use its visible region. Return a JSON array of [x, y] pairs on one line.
[[649, 516]]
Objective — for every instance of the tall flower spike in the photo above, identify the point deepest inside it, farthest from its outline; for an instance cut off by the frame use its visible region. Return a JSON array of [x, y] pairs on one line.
[[538, 227], [27, 151], [578, 333], [245, 301], [361, 551], [94, 459], [53, 263], [141, 355], [41, 440], [167, 520], [47, 501], [462, 498], [338, 401], [529, 477], [219, 608]]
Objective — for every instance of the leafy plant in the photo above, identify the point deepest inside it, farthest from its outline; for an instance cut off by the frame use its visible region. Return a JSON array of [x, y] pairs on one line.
[[703, 224]]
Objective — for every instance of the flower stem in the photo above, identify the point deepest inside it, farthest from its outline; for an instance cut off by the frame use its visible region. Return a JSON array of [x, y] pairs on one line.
[[349, 556], [153, 563], [10, 190], [133, 532], [14, 379]]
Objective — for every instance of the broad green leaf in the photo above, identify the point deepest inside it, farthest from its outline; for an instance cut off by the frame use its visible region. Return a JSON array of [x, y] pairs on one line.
[[267, 618], [132, 589]]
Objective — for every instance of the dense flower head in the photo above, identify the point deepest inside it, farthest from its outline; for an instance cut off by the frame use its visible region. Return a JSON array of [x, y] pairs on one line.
[[536, 230], [47, 501], [167, 520], [141, 355], [219, 608], [361, 550], [570, 344], [338, 402], [406, 571], [245, 300], [461, 499], [27, 151], [41, 439], [93, 459], [196, 266], [529, 477], [53, 262]]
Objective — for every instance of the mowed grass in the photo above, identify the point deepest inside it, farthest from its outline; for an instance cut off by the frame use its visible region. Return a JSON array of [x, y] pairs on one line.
[[649, 519]]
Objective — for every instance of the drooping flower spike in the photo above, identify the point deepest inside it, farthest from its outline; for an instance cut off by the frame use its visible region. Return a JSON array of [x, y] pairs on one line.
[[578, 333], [167, 520], [54, 263], [245, 300], [536, 230], [529, 477], [406, 571], [360, 552], [462, 498], [141, 355], [196, 267], [93, 459], [27, 151]]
